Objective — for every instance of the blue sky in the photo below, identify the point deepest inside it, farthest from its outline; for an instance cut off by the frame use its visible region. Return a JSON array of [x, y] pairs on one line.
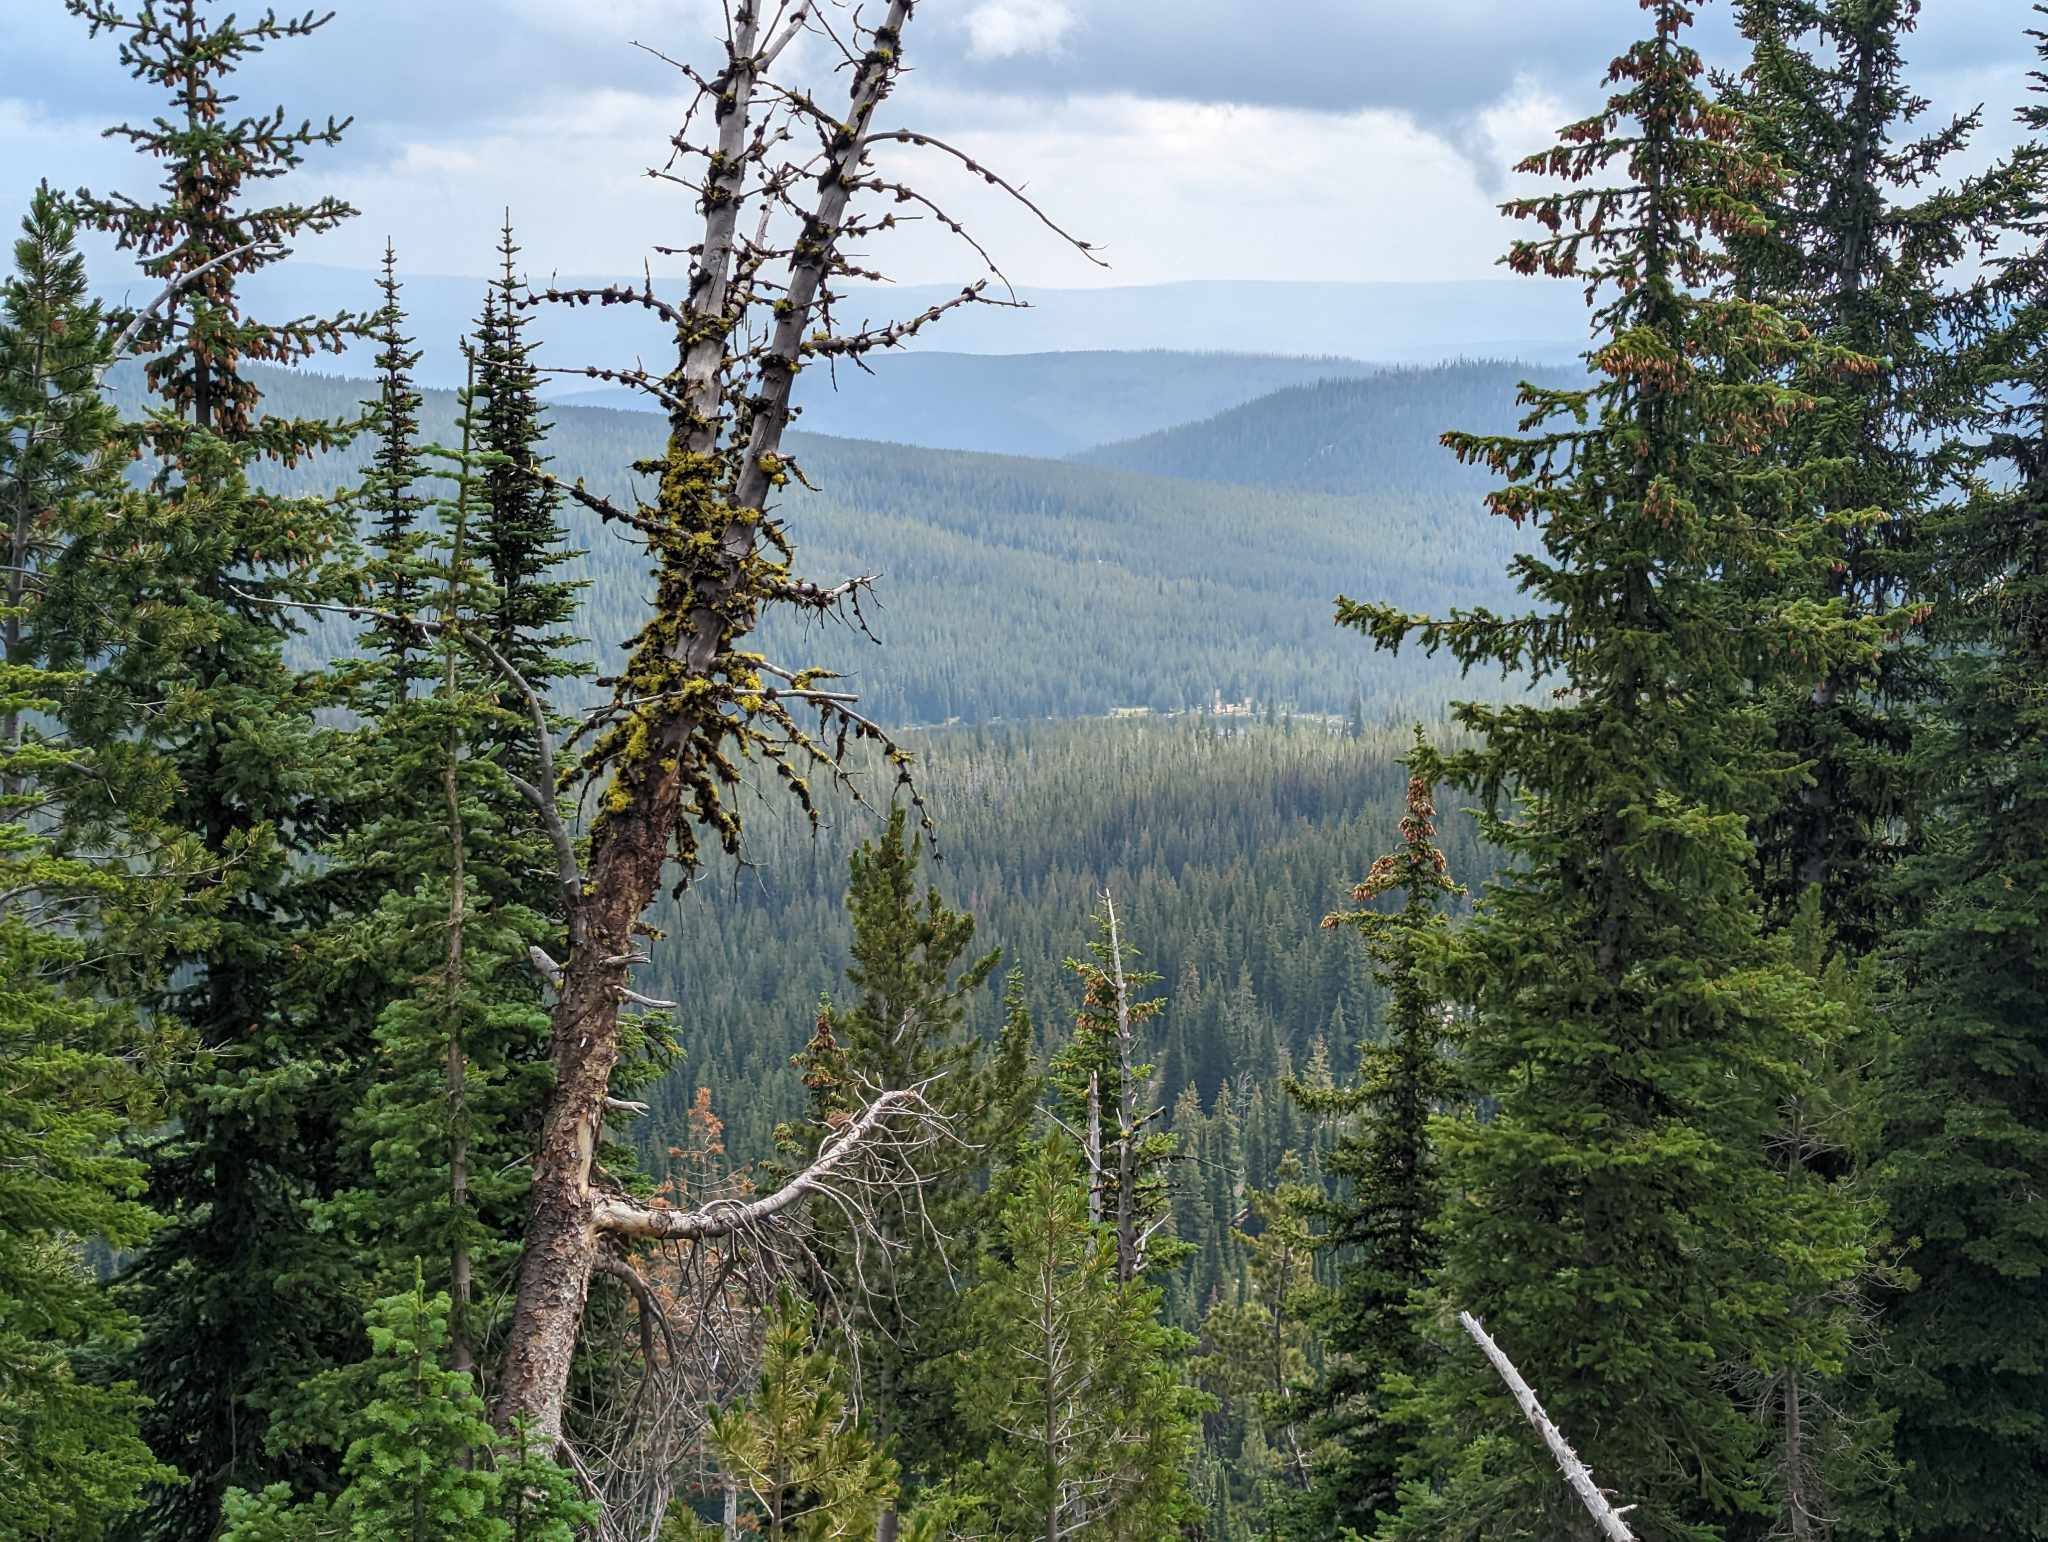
[[1296, 139]]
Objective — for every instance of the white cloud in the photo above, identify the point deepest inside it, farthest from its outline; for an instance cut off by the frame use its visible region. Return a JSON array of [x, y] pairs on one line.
[[1007, 29]]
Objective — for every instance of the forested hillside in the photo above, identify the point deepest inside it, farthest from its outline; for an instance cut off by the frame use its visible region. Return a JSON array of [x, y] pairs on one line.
[[1013, 588], [1225, 847], [1378, 434], [1444, 954]]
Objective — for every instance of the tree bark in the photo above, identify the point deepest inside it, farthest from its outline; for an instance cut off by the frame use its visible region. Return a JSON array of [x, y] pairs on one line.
[[631, 843]]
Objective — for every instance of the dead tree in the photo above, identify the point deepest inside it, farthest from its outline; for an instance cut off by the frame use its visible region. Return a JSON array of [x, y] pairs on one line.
[[779, 182]]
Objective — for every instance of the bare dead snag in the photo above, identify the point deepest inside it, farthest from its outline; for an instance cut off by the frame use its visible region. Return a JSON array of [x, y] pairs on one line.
[[1576, 1473], [690, 704]]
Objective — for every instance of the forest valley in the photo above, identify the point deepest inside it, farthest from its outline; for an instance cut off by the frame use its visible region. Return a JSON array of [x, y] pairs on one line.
[[478, 1063]]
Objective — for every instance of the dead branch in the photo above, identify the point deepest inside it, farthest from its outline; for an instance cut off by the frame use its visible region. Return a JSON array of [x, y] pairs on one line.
[[1576, 1473], [178, 285]]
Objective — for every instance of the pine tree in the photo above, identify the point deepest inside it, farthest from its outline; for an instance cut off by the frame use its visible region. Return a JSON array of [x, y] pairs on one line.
[[1967, 1135], [179, 597], [1378, 1220], [1621, 1226], [1073, 1383], [794, 1448], [914, 978]]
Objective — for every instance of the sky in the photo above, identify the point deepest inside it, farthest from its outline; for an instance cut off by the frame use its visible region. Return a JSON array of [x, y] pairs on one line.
[[1326, 140]]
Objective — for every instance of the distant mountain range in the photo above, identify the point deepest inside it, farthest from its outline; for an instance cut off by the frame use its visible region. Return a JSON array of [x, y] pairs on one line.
[[1376, 323], [1044, 404]]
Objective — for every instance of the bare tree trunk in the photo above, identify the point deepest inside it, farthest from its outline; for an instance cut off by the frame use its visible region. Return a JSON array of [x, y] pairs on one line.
[[1126, 1110], [631, 844], [1798, 1513], [1576, 1474]]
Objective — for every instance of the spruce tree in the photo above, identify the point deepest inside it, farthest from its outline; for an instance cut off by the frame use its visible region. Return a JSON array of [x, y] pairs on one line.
[[393, 497], [58, 451], [521, 540], [1378, 1219], [1620, 1224], [179, 597], [72, 1460], [410, 1469], [1859, 244], [1967, 1136], [452, 865]]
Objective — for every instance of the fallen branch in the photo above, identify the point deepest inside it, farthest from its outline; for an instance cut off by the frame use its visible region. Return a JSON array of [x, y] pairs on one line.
[[1576, 1473]]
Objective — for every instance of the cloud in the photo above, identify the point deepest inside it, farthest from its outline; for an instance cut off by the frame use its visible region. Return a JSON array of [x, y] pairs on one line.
[[1004, 29], [1324, 138]]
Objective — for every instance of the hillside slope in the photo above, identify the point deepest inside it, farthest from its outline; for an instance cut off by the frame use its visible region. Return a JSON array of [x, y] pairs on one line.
[[1015, 588], [1378, 434]]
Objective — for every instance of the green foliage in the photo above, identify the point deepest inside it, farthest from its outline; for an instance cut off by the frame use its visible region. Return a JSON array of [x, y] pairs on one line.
[[1966, 1141], [392, 500], [1621, 1224], [914, 978], [173, 595], [1255, 1353], [808, 1470], [416, 1466], [1356, 438], [1861, 244], [520, 539], [1379, 1223], [71, 1459], [74, 1055], [1073, 1383], [1007, 582]]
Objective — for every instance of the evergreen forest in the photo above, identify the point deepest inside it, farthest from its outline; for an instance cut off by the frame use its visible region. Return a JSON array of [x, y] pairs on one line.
[[786, 933]]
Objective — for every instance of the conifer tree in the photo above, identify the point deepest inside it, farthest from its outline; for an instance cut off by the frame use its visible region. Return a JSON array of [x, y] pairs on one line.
[[58, 449], [72, 1461], [794, 1448], [409, 1468], [1621, 1226], [1859, 244], [1967, 1134], [78, 933], [521, 540], [1255, 1351], [178, 598], [1107, 1093], [1073, 1382], [393, 496], [441, 953], [914, 979], [1378, 1221]]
